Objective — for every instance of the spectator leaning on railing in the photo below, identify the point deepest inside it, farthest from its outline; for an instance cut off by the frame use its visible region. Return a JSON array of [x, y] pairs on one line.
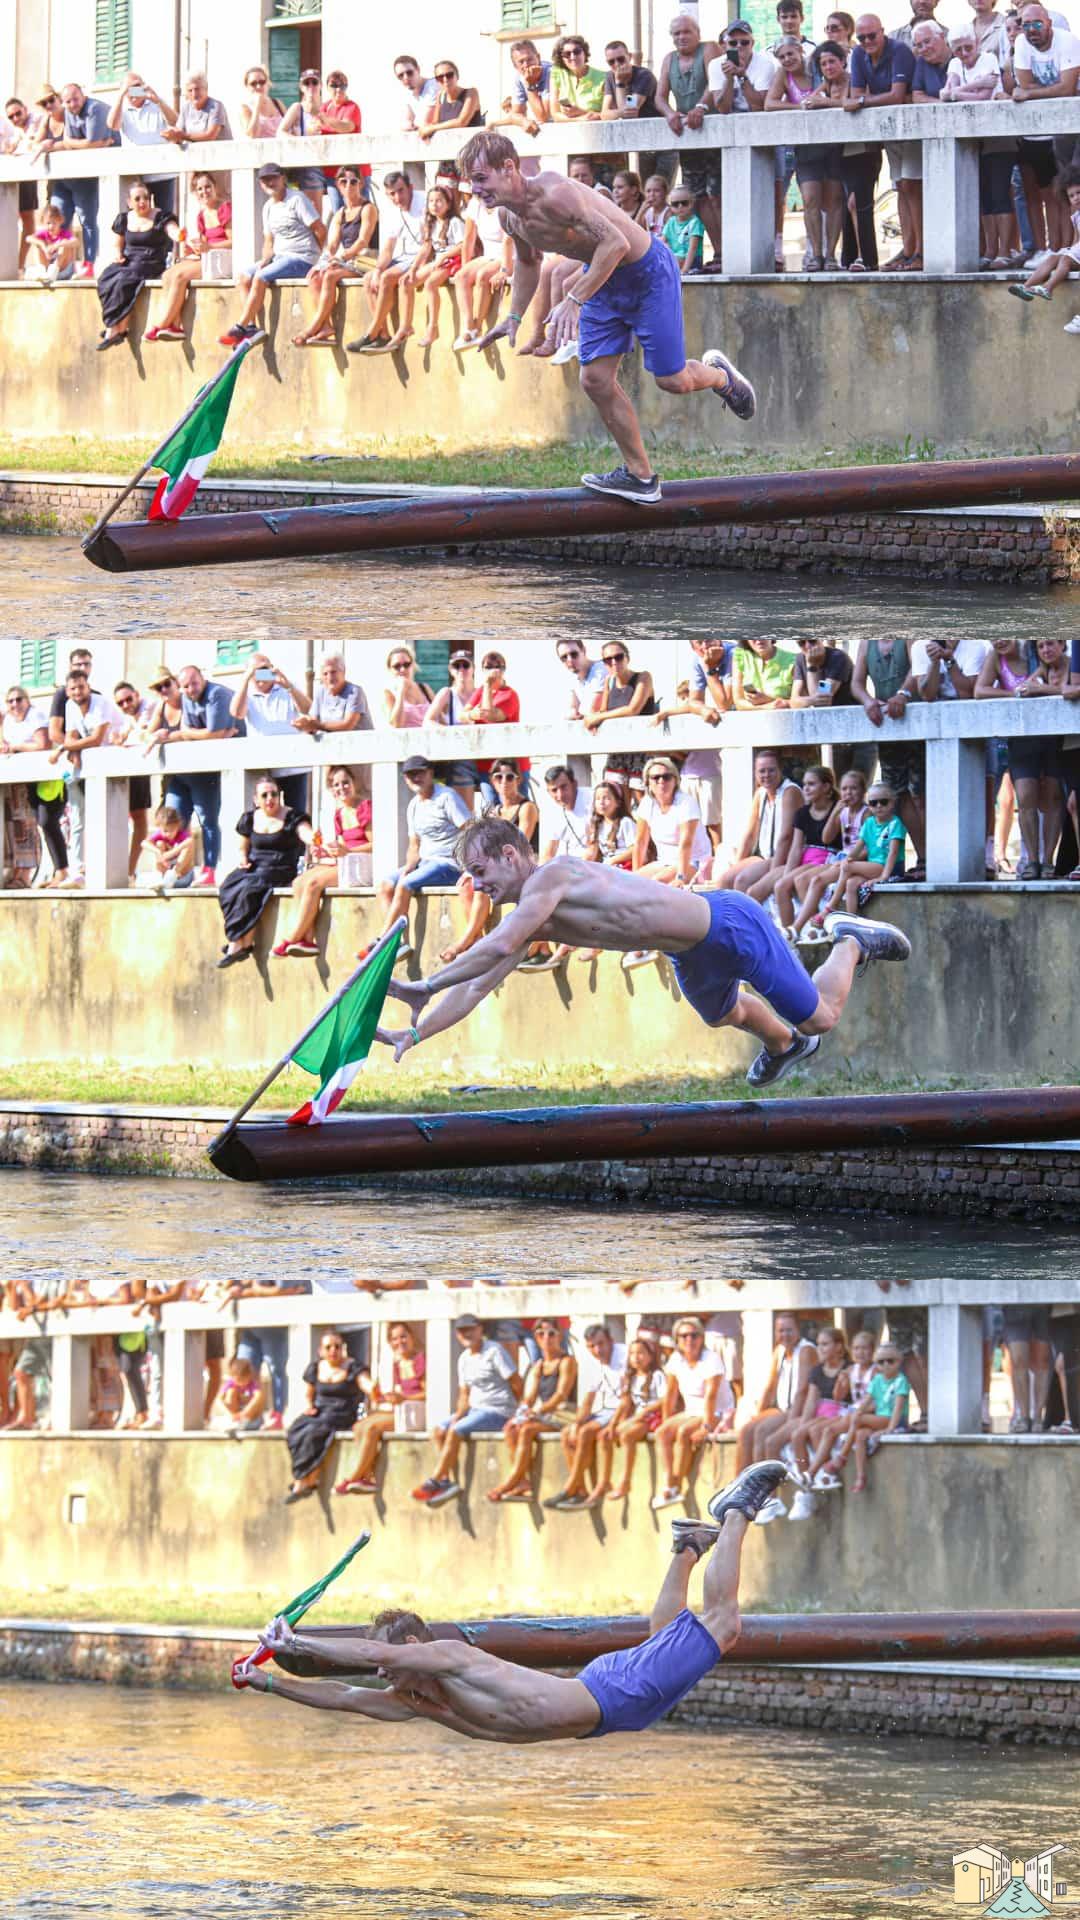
[[269, 703], [86, 127], [141, 117], [883, 684], [456, 107], [201, 117], [261, 114], [206, 715], [421, 96], [528, 104], [338, 705], [882, 70], [682, 94], [1046, 62], [88, 720]]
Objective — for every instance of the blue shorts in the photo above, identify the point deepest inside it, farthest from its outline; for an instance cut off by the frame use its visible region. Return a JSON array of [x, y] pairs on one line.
[[287, 267], [479, 1420], [633, 1689], [644, 299], [429, 873], [743, 944]]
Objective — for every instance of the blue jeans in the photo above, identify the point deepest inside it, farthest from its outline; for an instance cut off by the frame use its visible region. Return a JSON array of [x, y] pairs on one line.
[[479, 1420], [199, 794], [269, 1344], [286, 266], [429, 873], [80, 196]]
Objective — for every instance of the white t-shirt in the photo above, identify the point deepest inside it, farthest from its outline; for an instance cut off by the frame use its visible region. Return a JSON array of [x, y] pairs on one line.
[[567, 826], [485, 1375], [405, 229], [787, 1378], [583, 692], [969, 656], [272, 711], [612, 843], [75, 721], [1045, 65], [985, 68], [603, 1381], [666, 827], [16, 733], [759, 72], [693, 1377], [489, 228]]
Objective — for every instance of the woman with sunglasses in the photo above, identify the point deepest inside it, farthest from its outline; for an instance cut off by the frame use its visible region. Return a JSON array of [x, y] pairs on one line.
[[577, 90], [272, 841], [260, 114], [144, 237], [878, 853], [456, 106], [547, 1403], [450, 708], [346, 256], [406, 699], [167, 713], [626, 694], [336, 1385], [213, 234], [511, 804], [351, 836]]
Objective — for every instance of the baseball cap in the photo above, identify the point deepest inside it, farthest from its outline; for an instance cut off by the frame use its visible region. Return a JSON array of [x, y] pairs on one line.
[[461, 659], [416, 763], [271, 171], [464, 1320], [738, 26], [311, 73]]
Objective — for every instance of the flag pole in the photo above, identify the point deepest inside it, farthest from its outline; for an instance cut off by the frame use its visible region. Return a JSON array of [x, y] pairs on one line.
[[102, 522], [398, 926]]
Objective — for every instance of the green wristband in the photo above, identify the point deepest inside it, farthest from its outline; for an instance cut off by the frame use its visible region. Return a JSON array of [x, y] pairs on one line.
[[269, 1683], [515, 316], [414, 1036]]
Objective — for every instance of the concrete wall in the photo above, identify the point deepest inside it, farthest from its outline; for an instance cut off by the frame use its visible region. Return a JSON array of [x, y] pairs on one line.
[[80, 972], [982, 1524], [912, 341]]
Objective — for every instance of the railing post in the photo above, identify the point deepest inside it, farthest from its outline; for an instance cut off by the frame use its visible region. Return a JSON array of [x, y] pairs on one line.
[[441, 1375], [954, 1370], [9, 232], [951, 200], [303, 1349], [112, 198], [737, 767], [247, 202], [69, 1391], [748, 209], [182, 1380], [237, 786], [389, 800], [955, 810], [757, 1340], [106, 849]]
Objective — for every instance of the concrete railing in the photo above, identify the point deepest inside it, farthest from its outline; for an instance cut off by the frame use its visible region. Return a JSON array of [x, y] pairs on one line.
[[954, 733], [948, 133], [955, 1310]]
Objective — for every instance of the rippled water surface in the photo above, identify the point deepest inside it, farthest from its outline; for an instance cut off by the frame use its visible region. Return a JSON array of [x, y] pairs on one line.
[[126, 1805]]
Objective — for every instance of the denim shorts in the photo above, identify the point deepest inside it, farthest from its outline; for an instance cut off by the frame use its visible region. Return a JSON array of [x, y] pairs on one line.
[[429, 873], [479, 1420], [286, 267]]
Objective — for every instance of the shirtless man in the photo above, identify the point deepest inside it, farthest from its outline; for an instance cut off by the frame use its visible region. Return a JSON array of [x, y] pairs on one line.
[[713, 940], [475, 1694], [629, 285]]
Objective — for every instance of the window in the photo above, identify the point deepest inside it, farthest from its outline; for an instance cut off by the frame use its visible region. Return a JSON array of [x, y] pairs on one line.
[[433, 662], [37, 663], [233, 653], [519, 16], [112, 40]]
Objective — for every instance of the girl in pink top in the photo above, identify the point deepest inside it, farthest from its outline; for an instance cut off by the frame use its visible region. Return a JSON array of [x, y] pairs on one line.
[[847, 816], [407, 699], [260, 114], [654, 207]]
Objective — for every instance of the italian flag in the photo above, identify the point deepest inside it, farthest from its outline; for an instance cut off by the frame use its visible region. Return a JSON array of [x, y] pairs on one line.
[[185, 456], [336, 1047]]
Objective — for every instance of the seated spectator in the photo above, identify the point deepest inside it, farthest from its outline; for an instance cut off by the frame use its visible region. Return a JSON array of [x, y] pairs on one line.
[[243, 1396], [401, 238], [697, 1402], [1046, 64], [766, 842], [557, 271], [639, 1413], [261, 115], [268, 703], [452, 707], [653, 212], [144, 236], [293, 234], [844, 826], [828, 1398], [762, 675], [883, 1410], [435, 816], [612, 831], [51, 249], [626, 192], [487, 269], [564, 830], [172, 847], [528, 104], [351, 839], [272, 840], [338, 705], [205, 715], [672, 821], [456, 107], [421, 96], [577, 90], [443, 235], [513, 805], [406, 699], [810, 850], [335, 1395], [783, 1396], [1054, 268], [213, 235], [684, 232], [141, 117], [201, 118], [792, 85], [489, 1388], [25, 729], [346, 256], [600, 1396], [545, 1407], [878, 853], [407, 1388]]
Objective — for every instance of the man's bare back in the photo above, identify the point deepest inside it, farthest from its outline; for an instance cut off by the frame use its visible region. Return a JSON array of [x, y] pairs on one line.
[[589, 905], [559, 216]]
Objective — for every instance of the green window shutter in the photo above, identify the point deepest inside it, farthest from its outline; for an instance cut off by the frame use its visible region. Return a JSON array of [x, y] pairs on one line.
[[518, 16], [37, 663], [112, 40], [284, 65], [433, 662], [541, 14], [233, 653]]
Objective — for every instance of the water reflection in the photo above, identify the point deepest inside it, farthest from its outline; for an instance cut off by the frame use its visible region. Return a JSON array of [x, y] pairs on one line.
[[183, 1228], [125, 1804]]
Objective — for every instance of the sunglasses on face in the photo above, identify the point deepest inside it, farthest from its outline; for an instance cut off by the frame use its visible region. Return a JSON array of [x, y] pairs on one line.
[[610, 659], [619, 60], [504, 776], [866, 38], [879, 803], [680, 203], [570, 653], [450, 74], [739, 40], [654, 777], [16, 700], [404, 73], [257, 80]]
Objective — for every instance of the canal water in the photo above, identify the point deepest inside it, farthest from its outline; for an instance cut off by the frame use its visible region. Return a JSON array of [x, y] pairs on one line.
[[125, 1805]]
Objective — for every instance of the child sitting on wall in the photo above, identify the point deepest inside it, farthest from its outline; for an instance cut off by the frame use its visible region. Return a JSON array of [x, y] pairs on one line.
[[878, 853], [883, 1410], [684, 233], [173, 848]]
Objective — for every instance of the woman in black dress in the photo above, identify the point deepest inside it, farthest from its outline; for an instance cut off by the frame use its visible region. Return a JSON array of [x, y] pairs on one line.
[[272, 842], [335, 1390], [144, 237]]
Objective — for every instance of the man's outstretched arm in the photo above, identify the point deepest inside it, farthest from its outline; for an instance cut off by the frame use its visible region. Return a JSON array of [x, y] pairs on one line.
[[331, 1696]]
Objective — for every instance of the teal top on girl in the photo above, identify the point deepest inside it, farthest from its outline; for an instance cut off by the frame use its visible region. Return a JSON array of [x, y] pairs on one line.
[[885, 1393], [679, 233], [878, 836]]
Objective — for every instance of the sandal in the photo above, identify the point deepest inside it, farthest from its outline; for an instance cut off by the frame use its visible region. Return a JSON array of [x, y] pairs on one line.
[[900, 263], [1020, 293], [914, 264], [858, 266]]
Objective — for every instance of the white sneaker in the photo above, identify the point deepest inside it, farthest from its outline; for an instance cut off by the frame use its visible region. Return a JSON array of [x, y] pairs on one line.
[[567, 352], [773, 1509], [464, 341], [641, 958], [803, 1507], [1073, 325], [669, 1497]]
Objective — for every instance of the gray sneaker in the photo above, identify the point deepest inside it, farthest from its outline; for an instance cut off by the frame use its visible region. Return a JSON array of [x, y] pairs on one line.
[[625, 485], [768, 1067], [699, 1535], [739, 395], [750, 1491], [876, 938]]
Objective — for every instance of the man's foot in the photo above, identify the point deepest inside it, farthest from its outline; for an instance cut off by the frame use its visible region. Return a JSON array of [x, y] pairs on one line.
[[876, 939], [300, 949], [667, 1497], [768, 1067], [1073, 325], [235, 334], [426, 1488], [750, 1492], [540, 963], [698, 1535], [445, 1490], [297, 1493], [367, 343], [739, 395], [624, 485], [641, 957]]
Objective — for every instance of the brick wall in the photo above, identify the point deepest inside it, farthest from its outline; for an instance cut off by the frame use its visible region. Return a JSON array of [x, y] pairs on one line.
[[1039, 1184], [1033, 548]]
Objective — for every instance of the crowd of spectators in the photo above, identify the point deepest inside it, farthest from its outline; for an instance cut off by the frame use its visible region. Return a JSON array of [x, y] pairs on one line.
[[814, 833]]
